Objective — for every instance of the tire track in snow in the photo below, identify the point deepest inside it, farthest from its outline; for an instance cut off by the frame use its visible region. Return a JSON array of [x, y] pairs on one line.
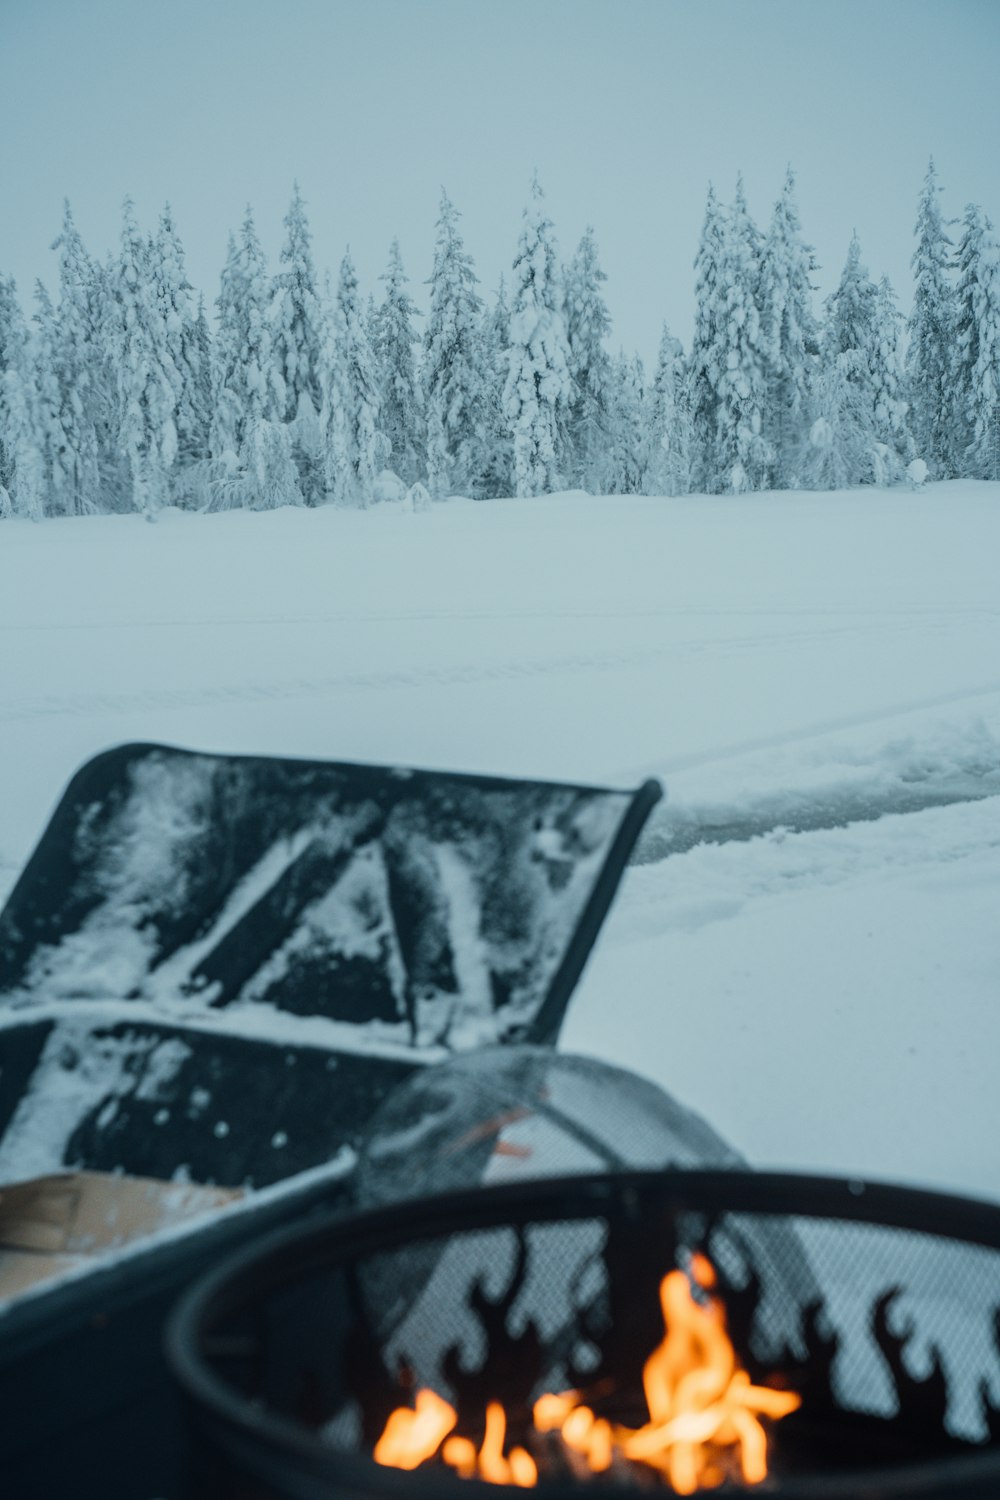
[[715, 882], [839, 807], [20, 710], [904, 614]]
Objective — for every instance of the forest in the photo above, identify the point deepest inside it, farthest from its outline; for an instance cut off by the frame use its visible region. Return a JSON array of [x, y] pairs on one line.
[[122, 394]]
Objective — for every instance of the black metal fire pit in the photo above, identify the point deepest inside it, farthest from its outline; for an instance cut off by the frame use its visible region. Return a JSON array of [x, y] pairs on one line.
[[878, 1307]]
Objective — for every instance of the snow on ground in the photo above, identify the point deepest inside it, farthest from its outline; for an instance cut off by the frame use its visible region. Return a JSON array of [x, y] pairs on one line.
[[807, 949]]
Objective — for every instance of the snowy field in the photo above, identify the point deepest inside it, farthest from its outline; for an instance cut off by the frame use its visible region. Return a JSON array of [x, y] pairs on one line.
[[807, 948]]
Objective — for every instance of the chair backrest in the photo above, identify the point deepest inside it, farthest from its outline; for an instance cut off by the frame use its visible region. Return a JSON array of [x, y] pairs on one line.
[[435, 909], [218, 966]]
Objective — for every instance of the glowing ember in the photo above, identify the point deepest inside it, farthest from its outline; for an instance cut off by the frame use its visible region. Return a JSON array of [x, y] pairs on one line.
[[704, 1414]]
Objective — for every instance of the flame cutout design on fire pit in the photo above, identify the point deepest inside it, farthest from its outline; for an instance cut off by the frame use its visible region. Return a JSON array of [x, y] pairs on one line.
[[929, 1395], [991, 1411], [704, 1412]]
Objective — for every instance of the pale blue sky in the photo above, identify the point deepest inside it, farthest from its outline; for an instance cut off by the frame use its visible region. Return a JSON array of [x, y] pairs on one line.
[[626, 107]]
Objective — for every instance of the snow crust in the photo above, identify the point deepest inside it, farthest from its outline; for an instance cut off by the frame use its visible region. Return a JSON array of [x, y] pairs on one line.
[[790, 663]]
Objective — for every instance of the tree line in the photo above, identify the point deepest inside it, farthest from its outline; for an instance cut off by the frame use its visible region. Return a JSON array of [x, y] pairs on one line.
[[122, 396]]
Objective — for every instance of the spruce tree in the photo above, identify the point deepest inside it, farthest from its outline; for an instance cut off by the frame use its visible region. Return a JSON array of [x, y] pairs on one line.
[[837, 449], [298, 336], [622, 469], [976, 365], [742, 454], [539, 388], [402, 398], [889, 412], [355, 448], [931, 334], [83, 372], [53, 447], [849, 353], [588, 324], [454, 380], [497, 478], [666, 449], [790, 334], [705, 364], [22, 472], [178, 308], [148, 379], [247, 384]]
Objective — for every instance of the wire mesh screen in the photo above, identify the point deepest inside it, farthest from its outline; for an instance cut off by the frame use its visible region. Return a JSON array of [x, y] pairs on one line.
[[887, 1328]]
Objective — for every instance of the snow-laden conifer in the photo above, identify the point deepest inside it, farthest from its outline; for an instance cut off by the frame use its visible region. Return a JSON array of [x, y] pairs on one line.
[[247, 385], [298, 322], [454, 380], [790, 334], [262, 476], [976, 366], [298, 340], [86, 391], [402, 398], [742, 455], [588, 324], [705, 363], [178, 308], [931, 333], [889, 413], [201, 388], [497, 474], [849, 345], [666, 448], [147, 378], [539, 388], [355, 448], [22, 470], [837, 447], [54, 453], [622, 469]]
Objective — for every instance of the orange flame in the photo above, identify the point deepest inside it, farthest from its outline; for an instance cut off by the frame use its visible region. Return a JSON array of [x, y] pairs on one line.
[[704, 1413]]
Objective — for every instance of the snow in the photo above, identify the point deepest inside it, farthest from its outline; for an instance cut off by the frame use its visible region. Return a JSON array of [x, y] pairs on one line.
[[788, 663]]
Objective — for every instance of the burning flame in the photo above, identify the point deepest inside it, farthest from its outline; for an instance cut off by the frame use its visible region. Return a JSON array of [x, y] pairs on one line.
[[704, 1413]]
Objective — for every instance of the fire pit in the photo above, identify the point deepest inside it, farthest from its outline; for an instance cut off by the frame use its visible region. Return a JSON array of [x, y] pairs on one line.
[[672, 1331]]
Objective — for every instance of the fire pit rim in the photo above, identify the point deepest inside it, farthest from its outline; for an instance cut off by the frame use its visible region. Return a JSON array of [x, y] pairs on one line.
[[287, 1254]]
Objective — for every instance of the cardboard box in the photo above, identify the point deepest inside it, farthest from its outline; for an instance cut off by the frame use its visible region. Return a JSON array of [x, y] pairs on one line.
[[53, 1224]]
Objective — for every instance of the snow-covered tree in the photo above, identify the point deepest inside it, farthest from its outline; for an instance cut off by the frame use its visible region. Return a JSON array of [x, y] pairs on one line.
[[247, 385], [705, 364], [82, 370], [355, 448], [298, 338], [790, 334], [402, 397], [263, 476], [148, 379], [622, 470], [253, 463], [931, 333], [54, 453], [588, 324], [849, 357], [22, 469], [890, 406], [539, 387], [742, 454], [497, 476], [454, 380], [178, 308], [837, 447], [976, 363], [666, 449]]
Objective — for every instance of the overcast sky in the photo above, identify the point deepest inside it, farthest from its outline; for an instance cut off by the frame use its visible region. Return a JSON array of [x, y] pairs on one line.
[[626, 107]]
